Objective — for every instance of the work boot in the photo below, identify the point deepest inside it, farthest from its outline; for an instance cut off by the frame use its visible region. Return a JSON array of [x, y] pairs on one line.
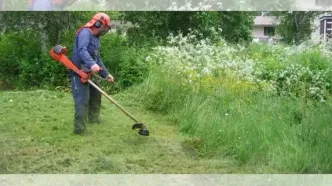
[[79, 125], [95, 120], [79, 130]]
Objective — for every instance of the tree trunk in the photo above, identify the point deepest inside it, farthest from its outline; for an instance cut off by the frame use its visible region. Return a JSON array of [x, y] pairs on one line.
[[58, 36], [43, 40], [297, 31]]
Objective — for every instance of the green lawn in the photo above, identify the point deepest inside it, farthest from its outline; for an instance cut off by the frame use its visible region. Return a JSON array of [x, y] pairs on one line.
[[36, 137]]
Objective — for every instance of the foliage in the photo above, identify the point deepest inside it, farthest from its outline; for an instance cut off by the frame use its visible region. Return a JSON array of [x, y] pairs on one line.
[[265, 106], [260, 105], [126, 63], [51, 22], [297, 71], [13, 48], [236, 26], [296, 26], [34, 69]]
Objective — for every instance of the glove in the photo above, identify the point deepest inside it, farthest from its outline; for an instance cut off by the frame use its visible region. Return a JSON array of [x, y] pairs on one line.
[[110, 78], [95, 68]]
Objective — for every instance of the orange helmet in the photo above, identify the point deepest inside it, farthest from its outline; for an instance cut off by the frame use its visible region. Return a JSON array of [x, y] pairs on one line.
[[98, 19]]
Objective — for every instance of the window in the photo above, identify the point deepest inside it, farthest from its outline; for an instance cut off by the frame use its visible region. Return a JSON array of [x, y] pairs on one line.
[[269, 31], [328, 27], [323, 2]]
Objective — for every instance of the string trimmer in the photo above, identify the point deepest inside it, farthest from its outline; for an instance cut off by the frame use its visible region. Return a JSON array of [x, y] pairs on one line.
[[59, 53]]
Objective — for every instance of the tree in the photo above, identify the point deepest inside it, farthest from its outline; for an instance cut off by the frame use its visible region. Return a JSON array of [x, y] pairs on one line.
[[295, 27], [49, 25], [236, 26]]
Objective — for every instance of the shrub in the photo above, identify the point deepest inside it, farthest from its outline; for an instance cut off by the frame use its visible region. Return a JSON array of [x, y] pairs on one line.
[[13, 48], [258, 105], [24, 66]]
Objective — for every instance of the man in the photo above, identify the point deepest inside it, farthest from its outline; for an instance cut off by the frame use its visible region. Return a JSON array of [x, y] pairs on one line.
[[86, 56], [49, 5]]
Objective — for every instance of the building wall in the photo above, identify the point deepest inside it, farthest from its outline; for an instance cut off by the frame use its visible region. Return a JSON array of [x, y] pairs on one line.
[[315, 35], [258, 32]]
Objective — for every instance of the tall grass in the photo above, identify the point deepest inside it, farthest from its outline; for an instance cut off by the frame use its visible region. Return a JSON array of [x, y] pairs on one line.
[[219, 95]]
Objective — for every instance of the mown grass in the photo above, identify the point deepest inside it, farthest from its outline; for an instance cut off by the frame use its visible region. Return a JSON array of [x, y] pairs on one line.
[[36, 137]]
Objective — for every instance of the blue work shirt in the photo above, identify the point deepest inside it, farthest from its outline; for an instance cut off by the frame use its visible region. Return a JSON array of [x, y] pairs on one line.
[[42, 5], [87, 51]]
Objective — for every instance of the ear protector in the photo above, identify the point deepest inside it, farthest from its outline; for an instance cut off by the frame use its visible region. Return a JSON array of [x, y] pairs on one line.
[[99, 22]]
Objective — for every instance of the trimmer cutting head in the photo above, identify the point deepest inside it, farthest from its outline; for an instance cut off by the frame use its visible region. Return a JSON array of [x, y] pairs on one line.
[[143, 130]]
